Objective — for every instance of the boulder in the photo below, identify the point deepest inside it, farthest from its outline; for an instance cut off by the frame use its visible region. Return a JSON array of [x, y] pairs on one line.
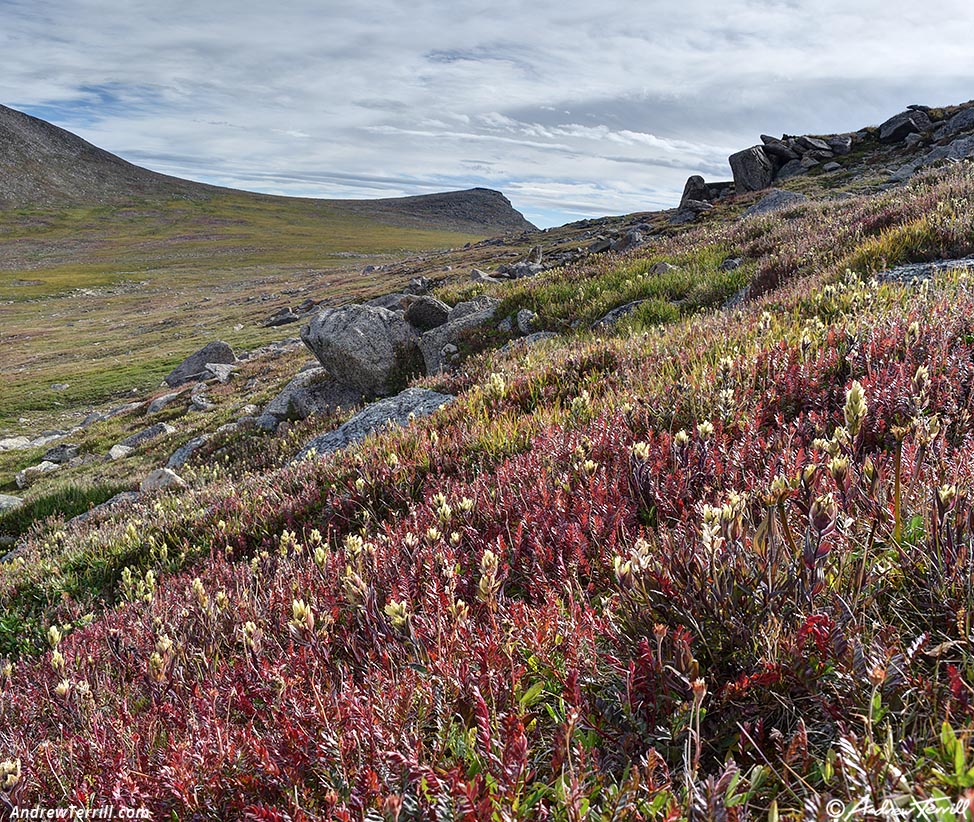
[[525, 321], [161, 479], [731, 264], [898, 126], [417, 286], [780, 152], [393, 302], [777, 199], [29, 476], [804, 144], [182, 454], [433, 342], [161, 402], [14, 443], [370, 349], [960, 149], [474, 306], [427, 312], [118, 452], [840, 144], [833, 166], [656, 269], [119, 500], [60, 454], [535, 255], [599, 245], [632, 239], [616, 314], [146, 434], [397, 410], [9, 503], [695, 189], [963, 120], [752, 169], [479, 276], [311, 392], [282, 317], [193, 368], [790, 169]]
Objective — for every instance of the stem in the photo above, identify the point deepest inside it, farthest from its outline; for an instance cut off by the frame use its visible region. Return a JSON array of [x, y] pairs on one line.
[[897, 518], [785, 527]]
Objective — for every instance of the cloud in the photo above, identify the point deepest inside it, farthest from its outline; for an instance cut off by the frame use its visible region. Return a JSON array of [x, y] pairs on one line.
[[607, 106]]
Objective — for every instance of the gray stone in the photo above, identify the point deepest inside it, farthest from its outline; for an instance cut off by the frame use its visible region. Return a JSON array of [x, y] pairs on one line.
[[117, 452], [632, 238], [29, 476], [370, 349], [805, 143], [161, 479], [141, 437], [752, 169], [14, 444], [963, 120], [695, 189], [283, 317], [393, 302], [780, 152], [221, 372], [657, 269], [474, 306], [616, 314], [775, 200], [479, 276], [792, 168], [311, 392], [60, 454], [535, 255], [831, 166], [841, 144], [433, 342], [160, 403], [730, 264], [682, 216], [182, 454], [526, 320], [913, 139], [9, 503], [398, 410], [506, 326], [194, 366], [896, 128], [427, 312], [418, 286], [599, 245], [960, 149], [808, 161], [524, 269]]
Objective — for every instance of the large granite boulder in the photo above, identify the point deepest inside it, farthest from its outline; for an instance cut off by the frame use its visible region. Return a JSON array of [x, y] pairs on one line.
[[752, 169], [398, 410], [193, 368], [367, 348], [427, 312], [775, 200], [897, 127], [695, 189], [463, 317]]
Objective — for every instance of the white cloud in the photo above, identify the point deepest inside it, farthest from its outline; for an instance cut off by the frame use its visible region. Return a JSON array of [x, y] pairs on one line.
[[608, 106]]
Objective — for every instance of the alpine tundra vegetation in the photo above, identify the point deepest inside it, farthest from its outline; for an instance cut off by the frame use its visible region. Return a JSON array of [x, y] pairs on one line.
[[664, 516]]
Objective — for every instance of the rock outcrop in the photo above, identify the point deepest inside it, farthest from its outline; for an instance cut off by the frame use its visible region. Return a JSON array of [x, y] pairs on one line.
[[193, 368], [752, 169]]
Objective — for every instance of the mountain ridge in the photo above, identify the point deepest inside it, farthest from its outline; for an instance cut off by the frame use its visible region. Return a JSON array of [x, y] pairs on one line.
[[44, 165]]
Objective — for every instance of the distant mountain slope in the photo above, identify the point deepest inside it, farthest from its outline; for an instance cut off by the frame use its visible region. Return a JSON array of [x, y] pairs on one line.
[[42, 165]]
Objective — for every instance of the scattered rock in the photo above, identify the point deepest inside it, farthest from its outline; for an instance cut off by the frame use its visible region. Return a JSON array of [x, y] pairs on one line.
[[311, 392], [60, 386], [923, 271], [525, 321], [774, 201], [960, 149], [479, 276], [695, 189], [117, 452], [14, 444], [535, 255], [9, 503], [631, 239], [752, 169], [731, 264], [60, 454], [616, 314], [29, 476], [841, 144], [392, 302], [474, 306], [182, 454], [427, 312], [833, 166], [119, 500], [895, 129], [418, 286], [962, 121], [462, 318], [194, 367], [398, 410], [161, 479], [161, 402], [656, 269], [600, 245], [146, 434], [792, 168], [282, 317], [370, 349], [221, 372]]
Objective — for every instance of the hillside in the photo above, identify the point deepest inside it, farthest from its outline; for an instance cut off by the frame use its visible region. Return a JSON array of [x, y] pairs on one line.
[[661, 516]]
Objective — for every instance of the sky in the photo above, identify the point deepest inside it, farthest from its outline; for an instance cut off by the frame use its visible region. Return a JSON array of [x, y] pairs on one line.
[[572, 108]]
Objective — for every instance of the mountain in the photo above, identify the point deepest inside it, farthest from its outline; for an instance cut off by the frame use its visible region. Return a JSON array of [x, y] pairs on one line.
[[42, 165]]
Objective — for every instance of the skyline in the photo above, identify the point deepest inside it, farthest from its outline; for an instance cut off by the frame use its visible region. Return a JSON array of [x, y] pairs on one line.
[[571, 111]]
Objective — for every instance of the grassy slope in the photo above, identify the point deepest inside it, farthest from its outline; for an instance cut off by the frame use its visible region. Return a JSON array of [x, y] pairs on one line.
[[141, 287], [516, 611]]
